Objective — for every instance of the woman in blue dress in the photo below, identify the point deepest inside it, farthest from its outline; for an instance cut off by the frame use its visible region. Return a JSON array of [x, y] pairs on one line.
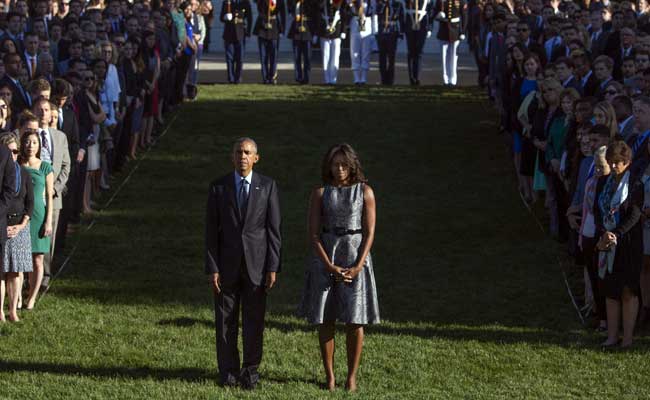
[[340, 282]]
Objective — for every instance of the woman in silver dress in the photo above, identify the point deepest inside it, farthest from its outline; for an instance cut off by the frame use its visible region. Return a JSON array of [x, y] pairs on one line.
[[340, 283]]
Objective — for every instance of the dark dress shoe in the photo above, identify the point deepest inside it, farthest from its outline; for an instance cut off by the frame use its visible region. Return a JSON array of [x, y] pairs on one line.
[[248, 379], [228, 381]]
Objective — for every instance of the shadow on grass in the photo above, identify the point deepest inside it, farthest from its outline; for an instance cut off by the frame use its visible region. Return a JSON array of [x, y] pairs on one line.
[[195, 375], [487, 334]]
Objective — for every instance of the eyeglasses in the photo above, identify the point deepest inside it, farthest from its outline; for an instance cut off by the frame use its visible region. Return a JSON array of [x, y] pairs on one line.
[[89, 79], [522, 30], [30, 131], [642, 60], [14, 151]]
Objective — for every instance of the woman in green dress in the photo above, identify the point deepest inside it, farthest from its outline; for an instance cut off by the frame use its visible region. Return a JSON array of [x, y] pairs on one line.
[[41, 222]]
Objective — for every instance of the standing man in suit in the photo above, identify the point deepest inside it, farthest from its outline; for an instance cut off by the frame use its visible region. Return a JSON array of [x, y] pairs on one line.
[[7, 190], [598, 36], [242, 258], [524, 36], [237, 18], [54, 149], [624, 117], [582, 68], [68, 124], [564, 73], [19, 98], [300, 32], [268, 28]]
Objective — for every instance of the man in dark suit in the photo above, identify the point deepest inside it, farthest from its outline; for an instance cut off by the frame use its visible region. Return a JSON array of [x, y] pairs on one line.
[[569, 33], [597, 34], [564, 71], [242, 258], [237, 18], [524, 36], [582, 68], [67, 123], [19, 97]]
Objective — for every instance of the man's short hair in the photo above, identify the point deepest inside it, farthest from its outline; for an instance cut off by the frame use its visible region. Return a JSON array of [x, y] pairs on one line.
[[243, 140], [564, 60], [38, 85], [603, 59]]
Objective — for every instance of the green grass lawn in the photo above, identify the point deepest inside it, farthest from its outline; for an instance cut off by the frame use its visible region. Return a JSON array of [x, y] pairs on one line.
[[471, 296]]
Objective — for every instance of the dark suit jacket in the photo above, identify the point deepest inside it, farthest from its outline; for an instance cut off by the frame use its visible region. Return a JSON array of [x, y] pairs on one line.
[[598, 46], [18, 101], [254, 238], [71, 129], [278, 19], [573, 83], [559, 51], [538, 49], [591, 87], [7, 190]]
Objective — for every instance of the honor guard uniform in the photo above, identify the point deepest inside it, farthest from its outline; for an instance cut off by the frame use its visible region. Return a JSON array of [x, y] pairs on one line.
[[268, 27], [361, 38], [238, 20], [417, 29], [331, 33], [390, 27], [451, 16], [300, 32]]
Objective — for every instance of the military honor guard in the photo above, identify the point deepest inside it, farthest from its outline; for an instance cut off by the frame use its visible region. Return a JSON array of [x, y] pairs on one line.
[[390, 27], [331, 34], [238, 20], [450, 15], [268, 28], [417, 27], [300, 32], [361, 38]]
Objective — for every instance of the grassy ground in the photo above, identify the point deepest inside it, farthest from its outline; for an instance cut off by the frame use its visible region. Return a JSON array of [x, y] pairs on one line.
[[472, 299]]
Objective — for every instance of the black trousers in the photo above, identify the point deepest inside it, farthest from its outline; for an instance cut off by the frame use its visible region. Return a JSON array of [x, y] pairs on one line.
[[387, 44], [591, 261], [226, 310], [415, 43]]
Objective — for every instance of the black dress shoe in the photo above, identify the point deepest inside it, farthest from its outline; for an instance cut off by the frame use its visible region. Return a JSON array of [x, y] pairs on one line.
[[228, 381], [248, 380]]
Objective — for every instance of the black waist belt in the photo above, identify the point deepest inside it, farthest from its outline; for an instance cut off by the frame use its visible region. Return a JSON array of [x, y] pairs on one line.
[[342, 231]]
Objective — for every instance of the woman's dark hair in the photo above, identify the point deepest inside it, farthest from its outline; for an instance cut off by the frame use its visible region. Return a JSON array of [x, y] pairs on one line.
[[22, 156], [352, 161], [618, 151]]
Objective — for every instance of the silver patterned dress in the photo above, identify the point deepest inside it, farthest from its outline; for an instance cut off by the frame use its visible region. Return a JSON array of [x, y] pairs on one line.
[[325, 300]]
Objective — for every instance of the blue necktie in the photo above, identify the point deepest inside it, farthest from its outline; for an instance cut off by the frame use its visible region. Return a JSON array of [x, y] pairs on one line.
[[243, 197]]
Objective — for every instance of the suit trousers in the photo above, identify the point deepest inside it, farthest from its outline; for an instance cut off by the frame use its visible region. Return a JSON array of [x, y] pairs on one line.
[[268, 51], [302, 60], [234, 60], [387, 47], [331, 49], [449, 61], [414, 44], [253, 307]]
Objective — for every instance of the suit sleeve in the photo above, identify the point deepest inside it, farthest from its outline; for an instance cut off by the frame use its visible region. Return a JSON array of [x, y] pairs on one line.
[[8, 181], [273, 231], [249, 18], [212, 234], [64, 173]]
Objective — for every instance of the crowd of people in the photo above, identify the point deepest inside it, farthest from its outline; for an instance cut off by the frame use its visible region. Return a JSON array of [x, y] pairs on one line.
[[83, 89], [571, 81]]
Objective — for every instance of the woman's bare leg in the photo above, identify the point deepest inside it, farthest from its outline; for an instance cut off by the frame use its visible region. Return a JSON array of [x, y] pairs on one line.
[[326, 342], [354, 344], [13, 291], [35, 279]]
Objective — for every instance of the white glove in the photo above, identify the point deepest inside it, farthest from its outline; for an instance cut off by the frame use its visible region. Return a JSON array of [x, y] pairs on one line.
[[428, 34], [343, 36], [229, 17], [462, 37], [455, 20], [314, 39], [441, 15]]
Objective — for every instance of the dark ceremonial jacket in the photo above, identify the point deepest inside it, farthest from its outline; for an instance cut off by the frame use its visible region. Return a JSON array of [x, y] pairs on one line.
[[7, 191], [454, 11], [253, 238], [427, 20], [235, 30], [390, 17], [304, 19], [276, 20], [327, 27]]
